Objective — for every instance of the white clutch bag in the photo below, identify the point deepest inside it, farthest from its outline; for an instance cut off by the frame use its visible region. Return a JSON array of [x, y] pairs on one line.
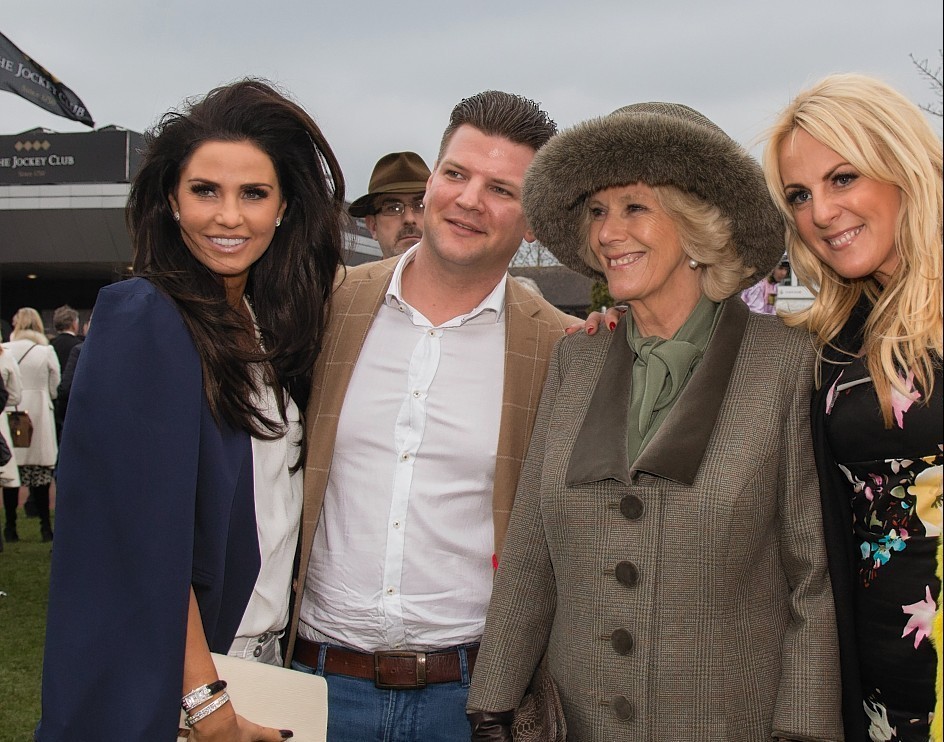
[[276, 697]]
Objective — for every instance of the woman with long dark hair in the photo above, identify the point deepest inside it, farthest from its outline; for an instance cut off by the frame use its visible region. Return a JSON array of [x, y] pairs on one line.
[[179, 477]]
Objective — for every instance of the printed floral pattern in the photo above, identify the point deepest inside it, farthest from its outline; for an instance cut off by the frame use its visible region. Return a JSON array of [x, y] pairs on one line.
[[901, 403], [892, 506], [927, 491], [922, 614], [897, 728], [897, 522]]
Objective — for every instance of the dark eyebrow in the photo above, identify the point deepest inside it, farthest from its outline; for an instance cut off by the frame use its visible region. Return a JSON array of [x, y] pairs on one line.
[[207, 181], [453, 165]]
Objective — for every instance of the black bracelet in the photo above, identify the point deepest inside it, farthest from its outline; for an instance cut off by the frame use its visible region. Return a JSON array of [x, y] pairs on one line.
[[201, 695]]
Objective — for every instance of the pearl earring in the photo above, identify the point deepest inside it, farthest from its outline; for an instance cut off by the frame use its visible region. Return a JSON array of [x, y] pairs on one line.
[[278, 221], [176, 216], [693, 264]]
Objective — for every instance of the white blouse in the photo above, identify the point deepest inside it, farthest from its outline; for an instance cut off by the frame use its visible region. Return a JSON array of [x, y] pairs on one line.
[[278, 498]]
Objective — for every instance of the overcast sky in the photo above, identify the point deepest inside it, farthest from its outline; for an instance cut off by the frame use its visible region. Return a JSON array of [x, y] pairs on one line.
[[383, 76]]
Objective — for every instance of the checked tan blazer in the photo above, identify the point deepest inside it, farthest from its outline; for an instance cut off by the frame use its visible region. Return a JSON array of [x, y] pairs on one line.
[[532, 326]]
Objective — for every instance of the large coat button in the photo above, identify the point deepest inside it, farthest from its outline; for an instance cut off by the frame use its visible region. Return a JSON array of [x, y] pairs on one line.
[[631, 506], [622, 641], [623, 708], [627, 573]]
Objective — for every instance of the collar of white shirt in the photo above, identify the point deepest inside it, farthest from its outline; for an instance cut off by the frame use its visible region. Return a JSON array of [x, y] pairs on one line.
[[494, 303]]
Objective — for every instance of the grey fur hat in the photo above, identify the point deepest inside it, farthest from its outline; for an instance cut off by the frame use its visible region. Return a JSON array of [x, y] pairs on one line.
[[656, 144]]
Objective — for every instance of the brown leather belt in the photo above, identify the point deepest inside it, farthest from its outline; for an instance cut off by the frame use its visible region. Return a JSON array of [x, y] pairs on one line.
[[389, 670]]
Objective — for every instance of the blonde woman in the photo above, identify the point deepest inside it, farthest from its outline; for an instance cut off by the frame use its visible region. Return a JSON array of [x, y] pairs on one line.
[[855, 169], [39, 372]]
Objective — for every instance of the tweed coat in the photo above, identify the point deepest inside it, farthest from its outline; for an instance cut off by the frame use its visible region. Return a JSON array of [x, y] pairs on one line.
[[683, 596], [532, 326]]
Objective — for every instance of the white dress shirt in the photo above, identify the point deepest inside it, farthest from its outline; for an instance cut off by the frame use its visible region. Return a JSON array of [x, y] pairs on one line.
[[402, 555]]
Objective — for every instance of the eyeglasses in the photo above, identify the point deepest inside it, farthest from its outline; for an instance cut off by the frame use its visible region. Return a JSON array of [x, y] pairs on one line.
[[398, 208]]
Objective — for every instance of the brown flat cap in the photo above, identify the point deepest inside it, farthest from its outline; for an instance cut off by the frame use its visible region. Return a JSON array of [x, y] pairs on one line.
[[398, 172]]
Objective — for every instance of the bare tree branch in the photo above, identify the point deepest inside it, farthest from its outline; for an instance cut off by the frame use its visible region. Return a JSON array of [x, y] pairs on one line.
[[933, 78], [533, 254]]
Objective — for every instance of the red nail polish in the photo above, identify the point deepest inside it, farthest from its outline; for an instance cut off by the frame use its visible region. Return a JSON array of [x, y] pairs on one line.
[[611, 325]]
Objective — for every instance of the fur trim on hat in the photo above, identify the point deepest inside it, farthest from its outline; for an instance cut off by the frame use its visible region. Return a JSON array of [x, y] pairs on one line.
[[656, 144]]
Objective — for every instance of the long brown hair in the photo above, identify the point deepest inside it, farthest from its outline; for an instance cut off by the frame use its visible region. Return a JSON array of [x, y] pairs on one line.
[[288, 286]]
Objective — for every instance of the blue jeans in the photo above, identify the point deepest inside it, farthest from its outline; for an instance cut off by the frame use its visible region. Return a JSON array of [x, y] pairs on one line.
[[359, 711]]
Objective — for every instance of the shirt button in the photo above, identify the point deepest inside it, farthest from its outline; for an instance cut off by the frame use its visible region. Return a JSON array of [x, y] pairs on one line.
[[405, 457], [432, 333], [396, 524], [390, 591], [257, 652], [416, 394]]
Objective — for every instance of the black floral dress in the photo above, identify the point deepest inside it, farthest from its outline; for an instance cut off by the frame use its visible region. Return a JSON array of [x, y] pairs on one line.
[[895, 487]]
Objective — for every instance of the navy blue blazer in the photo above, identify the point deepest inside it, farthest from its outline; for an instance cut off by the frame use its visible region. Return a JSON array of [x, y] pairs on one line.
[[153, 497]]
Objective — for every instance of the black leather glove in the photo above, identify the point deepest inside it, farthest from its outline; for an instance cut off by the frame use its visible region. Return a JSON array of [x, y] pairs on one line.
[[491, 726]]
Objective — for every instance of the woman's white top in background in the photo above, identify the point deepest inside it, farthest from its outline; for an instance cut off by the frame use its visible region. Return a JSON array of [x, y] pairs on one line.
[[39, 374]]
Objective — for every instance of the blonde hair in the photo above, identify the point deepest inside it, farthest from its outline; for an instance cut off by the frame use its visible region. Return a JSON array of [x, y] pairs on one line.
[[705, 235], [25, 320], [888, 139]]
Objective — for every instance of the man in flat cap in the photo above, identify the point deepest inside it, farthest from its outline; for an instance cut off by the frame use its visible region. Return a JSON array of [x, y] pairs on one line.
[[393, 206]]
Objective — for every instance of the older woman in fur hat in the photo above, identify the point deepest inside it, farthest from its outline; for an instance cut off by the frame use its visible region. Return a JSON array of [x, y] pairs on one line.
[[665, 555]]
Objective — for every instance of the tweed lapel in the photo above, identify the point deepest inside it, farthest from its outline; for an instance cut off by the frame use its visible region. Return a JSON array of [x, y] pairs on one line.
[[354, 305], [678, 448]]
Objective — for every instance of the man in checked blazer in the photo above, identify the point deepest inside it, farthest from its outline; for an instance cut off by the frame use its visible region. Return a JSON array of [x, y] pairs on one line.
[[422, 407]]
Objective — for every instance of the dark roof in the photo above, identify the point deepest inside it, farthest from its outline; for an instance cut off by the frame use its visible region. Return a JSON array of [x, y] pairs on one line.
[[561, 286]]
